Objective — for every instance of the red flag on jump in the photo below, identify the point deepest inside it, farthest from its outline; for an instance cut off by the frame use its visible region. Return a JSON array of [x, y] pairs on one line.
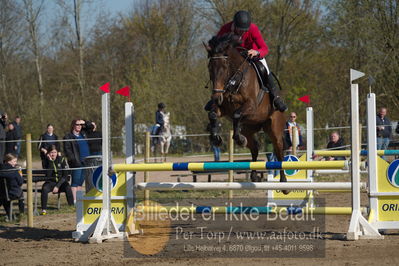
[[105, 87], [305, 99], [124, 91]]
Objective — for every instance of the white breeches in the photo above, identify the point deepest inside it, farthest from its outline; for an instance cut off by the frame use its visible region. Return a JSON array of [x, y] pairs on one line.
[[263, 60]]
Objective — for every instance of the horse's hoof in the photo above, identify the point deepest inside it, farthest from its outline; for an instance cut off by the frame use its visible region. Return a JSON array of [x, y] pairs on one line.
[[241, 141], [255, 177]]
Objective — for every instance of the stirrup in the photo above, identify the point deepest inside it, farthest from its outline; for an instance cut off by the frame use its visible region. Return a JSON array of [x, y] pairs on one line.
[[282, 107], [264, 88]]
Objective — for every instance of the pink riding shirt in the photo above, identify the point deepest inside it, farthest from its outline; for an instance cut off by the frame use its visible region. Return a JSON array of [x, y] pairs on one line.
[[251, 39]]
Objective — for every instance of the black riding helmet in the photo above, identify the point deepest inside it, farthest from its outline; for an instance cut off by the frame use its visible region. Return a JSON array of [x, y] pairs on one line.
[[242, 20], [161, 105]]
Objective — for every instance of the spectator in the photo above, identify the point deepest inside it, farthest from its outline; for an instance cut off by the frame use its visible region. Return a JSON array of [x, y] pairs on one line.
[[3, 124], [57, 175], [76, 151], [14, 182], [18, 130], [11, 138], [384, 129], [335, 143], [93, 138], [215, 149], [290, 134], [46, 141]]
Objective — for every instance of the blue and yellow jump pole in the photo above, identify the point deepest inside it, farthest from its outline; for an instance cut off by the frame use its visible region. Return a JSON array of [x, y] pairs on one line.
[[208, 166]]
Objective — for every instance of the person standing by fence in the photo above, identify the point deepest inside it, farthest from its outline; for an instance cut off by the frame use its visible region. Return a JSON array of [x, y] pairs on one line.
[[3, 125], [18, 130], [335, 143], [76, 151], [291, 135], [46, 141], [384, 129], [94, 138], [215, 149], [11, 138]]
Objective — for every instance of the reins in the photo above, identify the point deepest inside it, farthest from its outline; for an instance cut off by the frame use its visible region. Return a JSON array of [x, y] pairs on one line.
[[231, 83]]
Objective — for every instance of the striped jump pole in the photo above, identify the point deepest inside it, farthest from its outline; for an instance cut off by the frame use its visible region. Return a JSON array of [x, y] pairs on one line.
[[248, 186], [348, 152], [224, 166], [247, 209]]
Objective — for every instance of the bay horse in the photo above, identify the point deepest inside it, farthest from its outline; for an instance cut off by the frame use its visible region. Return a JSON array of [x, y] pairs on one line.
[[237, 94]]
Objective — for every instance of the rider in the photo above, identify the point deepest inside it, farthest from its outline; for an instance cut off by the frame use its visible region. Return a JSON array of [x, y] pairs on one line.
[[159, 122], [252, 40]]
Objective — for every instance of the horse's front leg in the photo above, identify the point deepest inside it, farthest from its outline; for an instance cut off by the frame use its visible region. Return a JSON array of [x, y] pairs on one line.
[[214, 127]]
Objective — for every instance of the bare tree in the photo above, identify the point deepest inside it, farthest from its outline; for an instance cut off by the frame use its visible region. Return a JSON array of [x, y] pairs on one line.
[[77, 9], [10, 43], [32, 14]]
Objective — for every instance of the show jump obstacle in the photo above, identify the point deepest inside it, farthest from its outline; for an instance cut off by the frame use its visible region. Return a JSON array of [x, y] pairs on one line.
[[102, 214]]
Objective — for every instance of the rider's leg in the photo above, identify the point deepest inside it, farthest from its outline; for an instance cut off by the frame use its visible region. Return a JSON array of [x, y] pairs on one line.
[[277, 101]]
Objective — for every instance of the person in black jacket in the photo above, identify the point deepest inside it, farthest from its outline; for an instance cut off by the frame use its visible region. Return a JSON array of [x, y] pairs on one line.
[[57, 175], [335, 143], [3, 125], [46, 140], [76, 150], [290, 134], [94, 138], [18, 130], [384, 129], [11, 138], [14, 182]]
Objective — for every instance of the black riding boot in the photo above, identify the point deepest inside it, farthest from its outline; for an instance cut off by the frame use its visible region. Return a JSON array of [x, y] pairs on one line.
[[276, 100]]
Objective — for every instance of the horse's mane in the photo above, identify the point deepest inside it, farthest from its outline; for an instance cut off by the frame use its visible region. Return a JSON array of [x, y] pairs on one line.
[[219, 44]]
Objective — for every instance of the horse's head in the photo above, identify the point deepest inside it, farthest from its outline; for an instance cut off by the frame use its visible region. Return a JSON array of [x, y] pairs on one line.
[[222, 55], [166, 117]]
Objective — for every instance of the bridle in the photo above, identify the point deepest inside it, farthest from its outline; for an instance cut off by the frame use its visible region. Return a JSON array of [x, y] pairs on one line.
[[235, 80]]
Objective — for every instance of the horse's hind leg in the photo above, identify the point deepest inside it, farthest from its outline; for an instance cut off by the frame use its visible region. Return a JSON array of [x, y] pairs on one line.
[[167, 145], [275, 130], [253, 146], [161, 145]]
